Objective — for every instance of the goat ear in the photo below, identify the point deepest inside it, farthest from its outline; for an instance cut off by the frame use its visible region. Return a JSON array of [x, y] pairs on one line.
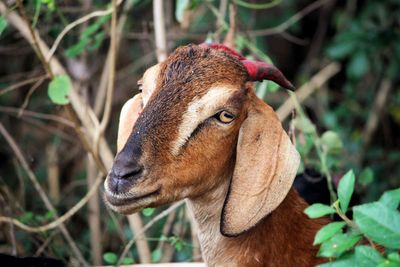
[[266, 165], [129, 114]]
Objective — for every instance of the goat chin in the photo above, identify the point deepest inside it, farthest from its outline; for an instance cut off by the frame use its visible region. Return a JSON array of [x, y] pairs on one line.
[[198, 131]]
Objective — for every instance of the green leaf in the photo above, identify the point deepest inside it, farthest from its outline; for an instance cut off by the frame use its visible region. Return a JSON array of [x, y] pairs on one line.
[[266, 5], [89, 39], [367, 256], [347, 260], [78, 48], [345, 190], [50, 215], [338, 244], [176, 242], [318, 210], [40, 218], [389, 263], [94, 27], [394, 257], [38, 5], [59, 89], [97, 41], [272, 87], [341, 50], [358, 66], [3, 24], [391, 199], [110, 257], [127, 260], [50, 4], [366, 176], [178, 245], [328, 231], [331, 141], [148, 211], [156, 255], [379, 222], [164, 238], [27, 217], [304, 125], [181, 6]]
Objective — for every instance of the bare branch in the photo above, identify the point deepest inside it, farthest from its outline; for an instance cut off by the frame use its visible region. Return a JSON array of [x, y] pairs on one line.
[[22, 83], [373, 118], [34, 38], [94, 214], [159, 30], [308, 88], [72, 25], [60, 220], [142, 245], [111, 76], [38, 115], [40, 191], [295, 18], [148, 226], [102, 87]]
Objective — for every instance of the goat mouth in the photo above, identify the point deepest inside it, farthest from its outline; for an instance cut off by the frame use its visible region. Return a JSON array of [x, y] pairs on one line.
[[119, 201]]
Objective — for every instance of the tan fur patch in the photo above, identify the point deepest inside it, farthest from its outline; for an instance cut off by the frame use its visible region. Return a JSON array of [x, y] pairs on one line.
[[199, 110]]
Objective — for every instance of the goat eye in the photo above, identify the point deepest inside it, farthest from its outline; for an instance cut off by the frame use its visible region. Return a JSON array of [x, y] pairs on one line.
[[224, 116], [140, 87]]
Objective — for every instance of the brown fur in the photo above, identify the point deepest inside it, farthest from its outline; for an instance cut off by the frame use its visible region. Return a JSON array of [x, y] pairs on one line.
[[284, 238], [203, 169]]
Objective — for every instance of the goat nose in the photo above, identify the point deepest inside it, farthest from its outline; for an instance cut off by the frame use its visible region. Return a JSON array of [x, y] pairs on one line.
[[126, 167], [123, 175], [126, 173]]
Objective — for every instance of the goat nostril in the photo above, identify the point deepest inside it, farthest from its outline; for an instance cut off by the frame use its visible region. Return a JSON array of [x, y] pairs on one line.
[[130, 174]]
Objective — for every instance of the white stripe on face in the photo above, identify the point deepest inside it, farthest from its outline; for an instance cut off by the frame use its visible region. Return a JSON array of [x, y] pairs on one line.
[[198, 111]]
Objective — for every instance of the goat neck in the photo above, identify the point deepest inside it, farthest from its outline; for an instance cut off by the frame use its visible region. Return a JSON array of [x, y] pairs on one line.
[[284, 238]]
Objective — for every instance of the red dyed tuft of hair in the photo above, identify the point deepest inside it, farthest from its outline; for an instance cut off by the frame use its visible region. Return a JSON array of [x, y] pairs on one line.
[[257, 70]]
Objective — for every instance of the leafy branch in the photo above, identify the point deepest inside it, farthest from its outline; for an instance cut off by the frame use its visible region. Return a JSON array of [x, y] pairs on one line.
[[377, 222]]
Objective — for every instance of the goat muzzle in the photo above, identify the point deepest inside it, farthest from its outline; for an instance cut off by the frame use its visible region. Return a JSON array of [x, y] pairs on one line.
[[125, 172]]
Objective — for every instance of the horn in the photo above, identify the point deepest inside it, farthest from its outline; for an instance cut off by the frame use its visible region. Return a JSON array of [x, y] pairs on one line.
[[257, 70]]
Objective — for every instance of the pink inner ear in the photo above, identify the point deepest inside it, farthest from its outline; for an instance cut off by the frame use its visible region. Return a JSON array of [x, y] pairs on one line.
[[257, 70]]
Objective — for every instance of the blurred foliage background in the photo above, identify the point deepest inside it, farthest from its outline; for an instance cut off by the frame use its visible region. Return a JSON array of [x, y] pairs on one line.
[[355, 110]]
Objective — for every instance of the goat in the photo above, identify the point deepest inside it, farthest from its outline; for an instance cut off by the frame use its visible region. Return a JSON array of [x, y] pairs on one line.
[[199, 132]]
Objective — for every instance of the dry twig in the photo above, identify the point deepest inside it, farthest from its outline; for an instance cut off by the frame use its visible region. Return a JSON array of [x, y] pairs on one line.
[[34, 38], [295, 18], [373, 119], [72, 25], [159, 30], [142, 245], [308, 88], [40, 191], [43, 116], [22, 83], [61, 219], [146, 227], [29, 94], [94, 214], [111, 77], [102, 87]]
